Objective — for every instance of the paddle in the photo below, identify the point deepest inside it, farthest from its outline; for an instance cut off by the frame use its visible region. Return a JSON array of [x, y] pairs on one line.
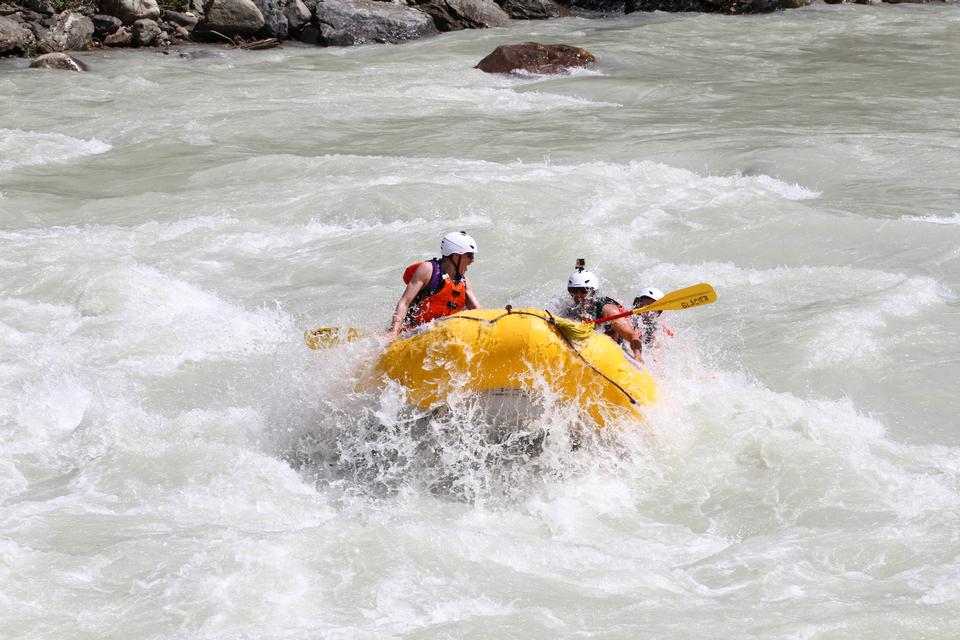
[[323, 337], [679, 300]]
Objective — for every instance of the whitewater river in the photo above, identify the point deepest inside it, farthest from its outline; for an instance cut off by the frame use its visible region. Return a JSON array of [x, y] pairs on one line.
[[174, 463]]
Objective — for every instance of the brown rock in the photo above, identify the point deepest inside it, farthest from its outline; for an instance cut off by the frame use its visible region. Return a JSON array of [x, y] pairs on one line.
[[534, 57]]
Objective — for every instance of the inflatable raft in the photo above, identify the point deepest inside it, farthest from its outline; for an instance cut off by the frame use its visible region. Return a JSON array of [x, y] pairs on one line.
[[497, 351]]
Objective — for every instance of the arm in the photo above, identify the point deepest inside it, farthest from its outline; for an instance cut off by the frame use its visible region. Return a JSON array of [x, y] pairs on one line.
[[471, 299], [624, 328], [419, 280]]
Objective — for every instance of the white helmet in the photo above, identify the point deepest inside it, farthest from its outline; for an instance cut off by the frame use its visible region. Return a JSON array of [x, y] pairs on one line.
[[457, 242], [650, 292], [582, 278]]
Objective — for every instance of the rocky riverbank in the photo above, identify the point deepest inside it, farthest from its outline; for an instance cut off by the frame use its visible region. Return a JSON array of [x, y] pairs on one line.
[[33, 27]]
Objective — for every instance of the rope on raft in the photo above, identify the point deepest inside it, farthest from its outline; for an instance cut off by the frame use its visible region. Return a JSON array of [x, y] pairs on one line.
[[562, 328]]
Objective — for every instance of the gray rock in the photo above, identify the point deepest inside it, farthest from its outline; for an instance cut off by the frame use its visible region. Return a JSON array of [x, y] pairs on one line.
[[453, 15], [704, 6], [298, 16], [533, 9], [71, 32], [40, 6], [131, 10], [58, 61], [15, 37], [104, 25], [145, 32], [348, 22], [232, 17], [123, 37], [187, 20], [275, 23]]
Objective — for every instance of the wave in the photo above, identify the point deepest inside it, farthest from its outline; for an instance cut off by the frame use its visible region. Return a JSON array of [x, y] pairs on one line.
[[29, 148], [954, 219]]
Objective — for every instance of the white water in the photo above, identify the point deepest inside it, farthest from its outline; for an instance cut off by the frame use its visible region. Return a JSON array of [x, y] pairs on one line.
[[175, 464]]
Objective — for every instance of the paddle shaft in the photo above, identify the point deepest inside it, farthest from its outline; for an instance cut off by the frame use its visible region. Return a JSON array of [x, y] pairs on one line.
[[685, 298]]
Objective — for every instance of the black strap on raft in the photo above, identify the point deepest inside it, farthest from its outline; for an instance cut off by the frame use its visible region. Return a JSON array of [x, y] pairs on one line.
[[553, 323]]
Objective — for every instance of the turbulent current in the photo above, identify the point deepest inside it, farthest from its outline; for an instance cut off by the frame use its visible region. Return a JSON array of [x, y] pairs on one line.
[[174, 463]]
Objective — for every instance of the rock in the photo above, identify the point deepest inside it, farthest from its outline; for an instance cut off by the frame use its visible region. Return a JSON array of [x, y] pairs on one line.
[[44, 7], [603, 6], [186, 20], [58, 61], [145, 32], [533, 9], [15, 38], [275, 23], [704, 6], [121, 38], [534, 57], [349, 22], [298, 16], [453, 15], [231, 17], [796, 4], [131, 10], [70, 32], [104, 25]]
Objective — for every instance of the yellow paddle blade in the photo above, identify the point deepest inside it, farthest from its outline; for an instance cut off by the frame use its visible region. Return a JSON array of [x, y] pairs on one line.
[[686, 298], [573, 330], [324, 337]]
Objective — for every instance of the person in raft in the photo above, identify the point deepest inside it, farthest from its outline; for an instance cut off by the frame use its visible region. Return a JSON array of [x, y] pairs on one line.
[[648, 324], [437, 287], [587, 305]]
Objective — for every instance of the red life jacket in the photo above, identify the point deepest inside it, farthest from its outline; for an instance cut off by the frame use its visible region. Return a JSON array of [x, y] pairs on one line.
[[440, 297]]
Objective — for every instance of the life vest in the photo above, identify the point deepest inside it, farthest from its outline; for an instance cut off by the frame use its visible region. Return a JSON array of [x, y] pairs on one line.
[[440, 297], [594, 311]]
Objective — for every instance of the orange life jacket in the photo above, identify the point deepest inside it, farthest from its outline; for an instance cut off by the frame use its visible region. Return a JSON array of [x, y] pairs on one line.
[[440, 297]]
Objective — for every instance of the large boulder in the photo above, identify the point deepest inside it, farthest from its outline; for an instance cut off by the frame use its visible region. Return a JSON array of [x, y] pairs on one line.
[[129, 11], [533, 57], [15, 38], [70, 32], [232, 17], [349, 22], [58, 61], [533, 9], [454, 15]]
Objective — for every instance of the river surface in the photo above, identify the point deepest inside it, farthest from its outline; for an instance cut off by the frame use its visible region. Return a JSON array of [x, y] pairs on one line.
[[174, 463]]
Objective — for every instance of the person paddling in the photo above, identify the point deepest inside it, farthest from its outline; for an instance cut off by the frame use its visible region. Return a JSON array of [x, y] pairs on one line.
[[648, 323], [437, 287], [587, 305]]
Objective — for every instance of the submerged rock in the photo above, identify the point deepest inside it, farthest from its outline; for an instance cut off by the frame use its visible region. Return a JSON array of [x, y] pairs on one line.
[[534, 57], [60, 61]]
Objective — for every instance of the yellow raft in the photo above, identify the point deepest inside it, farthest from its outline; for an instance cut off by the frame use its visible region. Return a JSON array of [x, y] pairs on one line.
[[497, 350]]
